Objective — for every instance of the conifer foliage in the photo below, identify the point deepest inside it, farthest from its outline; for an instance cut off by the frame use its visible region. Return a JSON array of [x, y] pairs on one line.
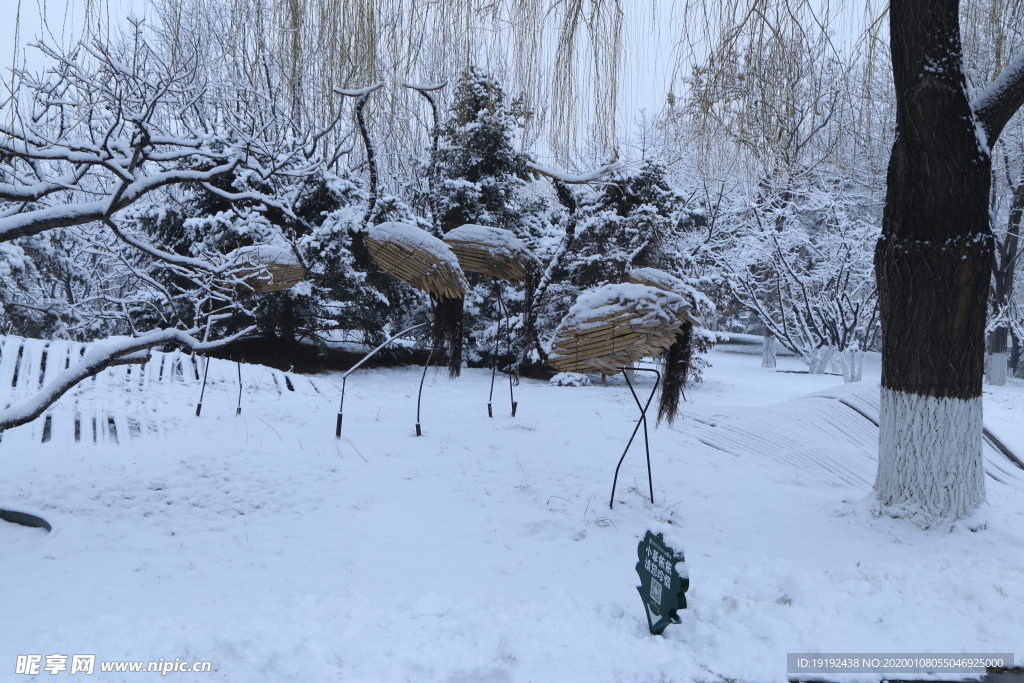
[[483, 179], [636, 220], [483, 176]]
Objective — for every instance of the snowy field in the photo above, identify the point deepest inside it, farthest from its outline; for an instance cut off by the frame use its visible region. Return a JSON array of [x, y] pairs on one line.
[[484, 551]]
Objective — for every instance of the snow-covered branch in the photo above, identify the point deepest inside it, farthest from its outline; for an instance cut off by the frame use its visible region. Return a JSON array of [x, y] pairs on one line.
[[36, 221], [105, 158], [98, 358], [571, 179], [997, 104]]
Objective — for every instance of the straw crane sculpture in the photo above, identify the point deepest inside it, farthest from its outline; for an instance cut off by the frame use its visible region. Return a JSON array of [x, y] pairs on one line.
[[614, 326], [497, 254], [262, 268], [417, 258]]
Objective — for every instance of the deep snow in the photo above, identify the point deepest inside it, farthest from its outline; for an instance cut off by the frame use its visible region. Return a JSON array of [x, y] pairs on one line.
[[485, 550]]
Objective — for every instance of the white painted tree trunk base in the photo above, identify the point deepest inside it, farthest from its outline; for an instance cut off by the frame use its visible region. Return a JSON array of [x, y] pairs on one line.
[[851, 364], [995, 368], [818, 359], [768, 352], [930, 463]]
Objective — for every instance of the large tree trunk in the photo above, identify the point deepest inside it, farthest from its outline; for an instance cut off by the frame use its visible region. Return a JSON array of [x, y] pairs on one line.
[[934, 264]]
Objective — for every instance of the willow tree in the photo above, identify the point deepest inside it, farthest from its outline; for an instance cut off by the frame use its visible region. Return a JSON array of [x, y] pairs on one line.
[[561, 56]]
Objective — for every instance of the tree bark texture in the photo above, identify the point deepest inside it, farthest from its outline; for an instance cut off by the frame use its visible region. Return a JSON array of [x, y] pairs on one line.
[[933, 264]]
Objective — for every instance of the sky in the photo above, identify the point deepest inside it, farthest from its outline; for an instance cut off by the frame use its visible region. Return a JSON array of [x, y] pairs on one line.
[[23, 23]]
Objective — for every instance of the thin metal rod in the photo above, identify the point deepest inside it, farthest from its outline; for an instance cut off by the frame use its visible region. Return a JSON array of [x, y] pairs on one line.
[[199, 406], [238, 410], [341, 409], [371, 354], [643, 420], [419, 396], [508, 348], [494, 368], [647, 443]]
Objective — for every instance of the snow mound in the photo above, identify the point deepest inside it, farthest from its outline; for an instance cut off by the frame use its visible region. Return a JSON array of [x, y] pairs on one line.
[[829, 436], [1001, 463]]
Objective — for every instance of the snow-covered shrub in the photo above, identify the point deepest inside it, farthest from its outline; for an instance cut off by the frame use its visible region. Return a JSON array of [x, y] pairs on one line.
[[570, 379], [344, 292], [40, 275], [804, 266]]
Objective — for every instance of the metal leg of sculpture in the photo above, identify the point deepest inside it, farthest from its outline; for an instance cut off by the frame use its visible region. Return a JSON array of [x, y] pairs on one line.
[[503, 311], [371, 354], [419, 396], [341, 408], [238, 410], [642, 421], [199, 406], [494, 371]]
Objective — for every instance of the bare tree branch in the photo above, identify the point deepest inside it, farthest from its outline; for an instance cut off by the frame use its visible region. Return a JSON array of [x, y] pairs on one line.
[[98, 358]]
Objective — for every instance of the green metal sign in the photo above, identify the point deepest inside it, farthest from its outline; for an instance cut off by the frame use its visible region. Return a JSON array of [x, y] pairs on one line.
[[661, 587]]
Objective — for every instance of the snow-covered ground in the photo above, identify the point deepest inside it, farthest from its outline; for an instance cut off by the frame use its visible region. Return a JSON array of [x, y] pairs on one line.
[[485, 550]]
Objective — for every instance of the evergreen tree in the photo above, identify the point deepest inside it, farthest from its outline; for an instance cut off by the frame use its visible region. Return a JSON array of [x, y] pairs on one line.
[[636, 220], [42, 278], [342, 292], [484, 179]]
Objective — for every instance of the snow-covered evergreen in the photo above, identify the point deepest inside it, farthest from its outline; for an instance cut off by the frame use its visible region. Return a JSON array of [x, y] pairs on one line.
[[484, 179], [631, 220]]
